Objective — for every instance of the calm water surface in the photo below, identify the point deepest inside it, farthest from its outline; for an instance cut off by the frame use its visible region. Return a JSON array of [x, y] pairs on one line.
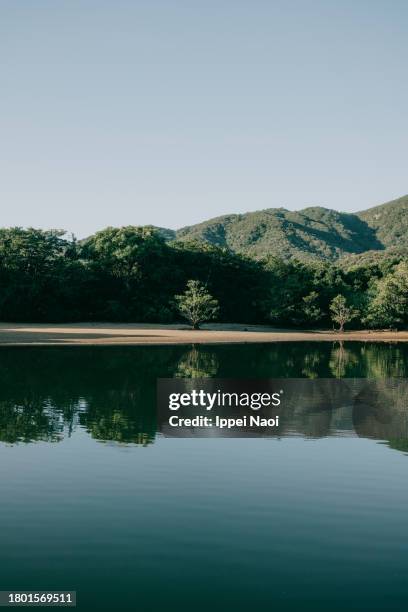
[[94, 499]]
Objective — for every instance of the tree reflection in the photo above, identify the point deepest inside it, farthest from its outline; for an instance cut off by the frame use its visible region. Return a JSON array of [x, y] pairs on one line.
[[342, 360], [197, 363], [47, 394], [29, 421]]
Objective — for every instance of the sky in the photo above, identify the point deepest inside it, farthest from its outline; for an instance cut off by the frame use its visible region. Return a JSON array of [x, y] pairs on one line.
[[170, 112]]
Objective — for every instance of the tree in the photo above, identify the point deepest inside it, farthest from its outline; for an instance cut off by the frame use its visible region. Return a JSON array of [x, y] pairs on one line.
[[341, 313], [311, 309], [36, 267], [132, 274], [288, 282], [196, 304], [388, 299], [123, 251]]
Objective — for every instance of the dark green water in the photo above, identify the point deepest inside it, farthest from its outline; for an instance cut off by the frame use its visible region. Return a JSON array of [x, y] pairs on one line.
[[94, 499]]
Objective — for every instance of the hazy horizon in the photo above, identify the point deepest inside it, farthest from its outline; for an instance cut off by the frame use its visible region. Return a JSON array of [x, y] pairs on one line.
[[168, 114]]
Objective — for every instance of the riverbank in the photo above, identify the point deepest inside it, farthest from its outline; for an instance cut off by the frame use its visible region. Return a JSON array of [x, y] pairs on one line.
[[142, 333]]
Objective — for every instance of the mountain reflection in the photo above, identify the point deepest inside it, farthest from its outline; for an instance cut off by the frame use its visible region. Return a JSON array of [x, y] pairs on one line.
[[47, 394]]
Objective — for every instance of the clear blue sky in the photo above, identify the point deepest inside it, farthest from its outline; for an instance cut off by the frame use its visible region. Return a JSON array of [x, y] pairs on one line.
[[173, 111]]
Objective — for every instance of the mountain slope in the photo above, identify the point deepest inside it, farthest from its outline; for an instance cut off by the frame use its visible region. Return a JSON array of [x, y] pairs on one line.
[[312, 234], [309, 234], [389, 222]]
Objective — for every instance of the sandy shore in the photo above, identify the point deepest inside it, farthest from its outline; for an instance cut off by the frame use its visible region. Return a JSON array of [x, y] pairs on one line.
[[118, 334]]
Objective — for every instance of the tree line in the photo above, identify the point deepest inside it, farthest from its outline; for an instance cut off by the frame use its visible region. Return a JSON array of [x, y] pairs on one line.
[[132, 274]]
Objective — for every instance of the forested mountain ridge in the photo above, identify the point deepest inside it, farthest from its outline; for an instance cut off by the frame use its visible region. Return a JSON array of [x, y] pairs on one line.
[[389, 222], [312, 234]]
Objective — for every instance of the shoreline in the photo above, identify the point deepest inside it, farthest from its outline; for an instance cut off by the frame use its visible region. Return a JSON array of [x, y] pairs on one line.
[[145, 334]]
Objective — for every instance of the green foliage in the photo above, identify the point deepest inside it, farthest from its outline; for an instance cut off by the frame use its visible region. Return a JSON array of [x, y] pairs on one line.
[[308, 235], [388, 299], [130, 272], [311, 309], [196, 305], [340, 312], [39, 270], [389, 221], [124, 252]]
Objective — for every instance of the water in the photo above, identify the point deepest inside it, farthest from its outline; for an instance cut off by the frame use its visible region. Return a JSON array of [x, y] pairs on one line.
[[94, 499]]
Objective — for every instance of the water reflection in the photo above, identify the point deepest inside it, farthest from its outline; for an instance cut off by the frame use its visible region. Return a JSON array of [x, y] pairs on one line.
[[48, 393], [196, 363], [341, 360], [381, 411]]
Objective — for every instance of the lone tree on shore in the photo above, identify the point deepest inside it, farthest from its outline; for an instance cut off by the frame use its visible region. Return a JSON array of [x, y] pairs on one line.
[[196, 304], [340, 312]]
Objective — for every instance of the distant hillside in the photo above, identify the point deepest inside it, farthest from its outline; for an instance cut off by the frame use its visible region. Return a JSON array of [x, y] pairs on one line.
[[385, 258], [167, 234], [389, 221], [311, 234]]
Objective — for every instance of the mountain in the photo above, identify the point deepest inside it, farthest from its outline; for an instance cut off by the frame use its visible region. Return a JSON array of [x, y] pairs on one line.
[[312, 233], [167, 234], [389, 222], [385, 258]]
